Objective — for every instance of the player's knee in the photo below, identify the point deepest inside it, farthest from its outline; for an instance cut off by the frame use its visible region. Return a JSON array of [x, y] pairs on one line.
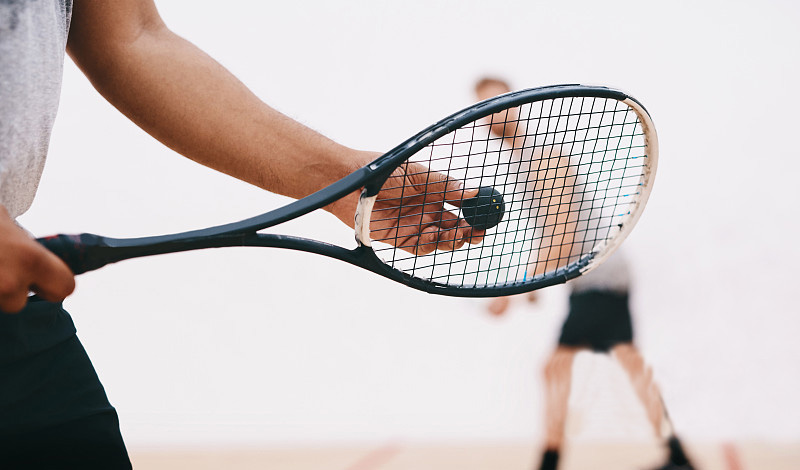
[[555, 369]]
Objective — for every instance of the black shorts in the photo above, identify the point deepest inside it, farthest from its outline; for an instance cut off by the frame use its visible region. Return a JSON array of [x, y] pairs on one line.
[[598, 320], [54, 413]]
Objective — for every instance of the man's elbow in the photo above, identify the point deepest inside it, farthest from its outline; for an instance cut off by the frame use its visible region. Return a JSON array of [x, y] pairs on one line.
[[97, 49]]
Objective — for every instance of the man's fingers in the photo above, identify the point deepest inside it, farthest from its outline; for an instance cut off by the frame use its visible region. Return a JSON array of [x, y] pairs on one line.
[[13, 302], [446, 240], [51, 278], [412, 216], [456, 198], [26, 265], [443, 218], [13, 292], [54, 289], [437, 238], [437, 187]]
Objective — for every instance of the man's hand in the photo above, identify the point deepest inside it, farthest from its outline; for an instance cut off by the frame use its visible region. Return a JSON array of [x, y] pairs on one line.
[[499, 305], [27, 266], [409, 210], [409, 213]]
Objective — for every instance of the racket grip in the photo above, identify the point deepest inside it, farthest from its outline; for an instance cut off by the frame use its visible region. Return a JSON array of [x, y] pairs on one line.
[[81, 253]]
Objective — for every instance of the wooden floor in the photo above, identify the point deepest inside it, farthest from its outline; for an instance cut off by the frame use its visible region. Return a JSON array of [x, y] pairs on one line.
[[584, 456]]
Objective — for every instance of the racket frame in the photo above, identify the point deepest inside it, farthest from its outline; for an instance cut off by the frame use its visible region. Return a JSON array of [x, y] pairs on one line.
[[402, 152], [87, 252]]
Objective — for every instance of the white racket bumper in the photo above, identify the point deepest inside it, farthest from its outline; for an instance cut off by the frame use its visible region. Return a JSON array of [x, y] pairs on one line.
[[363, 215], [603, 251]]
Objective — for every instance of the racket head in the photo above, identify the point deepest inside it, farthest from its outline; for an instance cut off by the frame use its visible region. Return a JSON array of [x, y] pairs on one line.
[[575, 166]]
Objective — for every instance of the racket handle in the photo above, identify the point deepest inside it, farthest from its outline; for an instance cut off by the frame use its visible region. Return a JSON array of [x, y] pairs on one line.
[[81, 253]]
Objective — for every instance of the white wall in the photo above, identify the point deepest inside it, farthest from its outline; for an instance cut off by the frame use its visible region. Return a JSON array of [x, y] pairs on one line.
[[247, 345]]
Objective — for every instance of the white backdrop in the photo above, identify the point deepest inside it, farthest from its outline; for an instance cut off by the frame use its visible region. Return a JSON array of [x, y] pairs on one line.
[[244, 346]]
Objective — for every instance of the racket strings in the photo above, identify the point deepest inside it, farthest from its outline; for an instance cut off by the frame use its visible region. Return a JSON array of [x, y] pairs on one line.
[[569, 171]]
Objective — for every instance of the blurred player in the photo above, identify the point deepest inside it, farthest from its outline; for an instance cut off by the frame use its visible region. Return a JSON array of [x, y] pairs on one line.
[[599, 318]]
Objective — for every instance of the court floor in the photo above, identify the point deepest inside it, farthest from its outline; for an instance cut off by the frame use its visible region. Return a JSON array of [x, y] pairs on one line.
[[469, 456]]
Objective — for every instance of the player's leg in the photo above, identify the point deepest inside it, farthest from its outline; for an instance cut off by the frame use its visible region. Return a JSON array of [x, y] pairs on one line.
[[641, 377], [558, 381], [85, 443]]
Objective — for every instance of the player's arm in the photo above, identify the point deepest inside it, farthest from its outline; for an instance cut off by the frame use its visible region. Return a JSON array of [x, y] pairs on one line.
[[26, 265], [499, 305], [188, 101], [553, 181], [559, 197], [505, 123]]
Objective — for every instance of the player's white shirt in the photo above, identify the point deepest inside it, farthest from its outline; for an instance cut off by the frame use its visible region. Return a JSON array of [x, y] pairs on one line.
[[541, 179], [612, 275]]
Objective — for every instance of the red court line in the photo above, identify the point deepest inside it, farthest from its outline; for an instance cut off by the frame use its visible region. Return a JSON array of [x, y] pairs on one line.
[[376, 458], [731, 455]]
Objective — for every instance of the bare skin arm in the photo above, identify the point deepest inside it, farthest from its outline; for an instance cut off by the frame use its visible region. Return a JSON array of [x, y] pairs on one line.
[[189, 102], [192, 104]]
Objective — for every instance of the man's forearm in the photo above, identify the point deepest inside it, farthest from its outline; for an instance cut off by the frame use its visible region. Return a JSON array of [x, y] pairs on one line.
[[188, 101]]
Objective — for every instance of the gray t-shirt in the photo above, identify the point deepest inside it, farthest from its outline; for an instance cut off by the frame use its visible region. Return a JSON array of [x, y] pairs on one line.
[[33, 39], [611, 276]]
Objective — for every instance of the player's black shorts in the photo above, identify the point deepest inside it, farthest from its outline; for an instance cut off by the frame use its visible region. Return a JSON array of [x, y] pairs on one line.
[[598, 320], [54, 413]]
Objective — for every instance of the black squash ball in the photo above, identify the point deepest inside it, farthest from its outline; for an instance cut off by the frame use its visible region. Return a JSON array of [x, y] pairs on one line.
[[485, 210]]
